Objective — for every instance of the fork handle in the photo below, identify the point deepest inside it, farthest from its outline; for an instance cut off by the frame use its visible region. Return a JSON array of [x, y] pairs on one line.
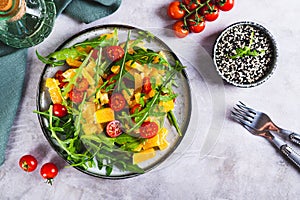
[[294, 137], [286, 150]]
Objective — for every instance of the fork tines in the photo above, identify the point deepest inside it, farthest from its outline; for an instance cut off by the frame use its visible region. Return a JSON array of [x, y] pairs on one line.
[[243, 114]]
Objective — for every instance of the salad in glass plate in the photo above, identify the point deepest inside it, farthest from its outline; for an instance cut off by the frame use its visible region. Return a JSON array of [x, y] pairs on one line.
[[113, 101]]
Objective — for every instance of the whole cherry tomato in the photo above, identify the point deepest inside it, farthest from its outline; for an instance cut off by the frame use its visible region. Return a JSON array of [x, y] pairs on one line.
[[59, 110], [148, 129], [114, 53], [191, 4], [210, 12], [117, 102], [180, 30], [82, 84], [28, 163], [175, 10], [49, 171], [196, 23], [225, 5], [76, 96], [146, 85], [114, 129]]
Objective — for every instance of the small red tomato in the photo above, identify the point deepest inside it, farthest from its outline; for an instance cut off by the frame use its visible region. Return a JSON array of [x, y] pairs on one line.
[[82, 84], [225, 5], [148, 129], [114, 129], [135, 108], [59, 76], [95, 54], [210, 12], [76, 96], [146, 85], [59, 110], [49, 171], [180, 30], [191, 4], [196, 23], [28, 163], [117, 102], [110, 78], [175, 10], [114, 53]]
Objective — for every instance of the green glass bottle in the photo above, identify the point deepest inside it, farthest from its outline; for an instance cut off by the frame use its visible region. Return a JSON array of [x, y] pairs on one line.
[[26, 23]]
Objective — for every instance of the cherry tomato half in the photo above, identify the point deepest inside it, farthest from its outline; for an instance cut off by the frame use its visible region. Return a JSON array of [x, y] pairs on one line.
[[76, 96], [28, 163], [135, 108], [114, 53], [49, 171], [146, 85], [225, 5], [59, 76], [59, 110], [110, 79], [175, 10], [82, 84], [210, 12], [148, 129], [114, 128], [180, 30], [191, 4], [196, 23], [117, 102]]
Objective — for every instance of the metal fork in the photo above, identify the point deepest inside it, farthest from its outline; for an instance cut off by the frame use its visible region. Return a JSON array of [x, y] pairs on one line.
[[277, 142], [260, 122]]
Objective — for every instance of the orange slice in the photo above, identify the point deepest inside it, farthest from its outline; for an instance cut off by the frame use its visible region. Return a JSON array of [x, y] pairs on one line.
[[54, 91], [143, 156]]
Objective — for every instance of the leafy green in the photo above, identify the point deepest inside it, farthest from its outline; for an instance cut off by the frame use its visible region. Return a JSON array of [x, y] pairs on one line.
[[246, 51]]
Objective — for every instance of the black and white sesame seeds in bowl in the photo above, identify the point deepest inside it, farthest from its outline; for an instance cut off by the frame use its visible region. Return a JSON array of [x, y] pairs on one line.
[[245, 54]]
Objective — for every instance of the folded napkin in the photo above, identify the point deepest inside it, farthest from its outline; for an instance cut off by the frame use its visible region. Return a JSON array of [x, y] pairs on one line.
[[13, 61]]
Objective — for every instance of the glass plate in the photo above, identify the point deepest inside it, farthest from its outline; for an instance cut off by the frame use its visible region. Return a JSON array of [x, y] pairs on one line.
[[182, 109]]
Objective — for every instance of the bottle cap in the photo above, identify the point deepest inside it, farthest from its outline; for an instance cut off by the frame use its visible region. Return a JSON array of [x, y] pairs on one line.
[[5, 5]]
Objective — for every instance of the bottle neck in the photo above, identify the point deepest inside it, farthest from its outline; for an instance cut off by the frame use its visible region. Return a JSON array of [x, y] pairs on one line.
[[12, 9]]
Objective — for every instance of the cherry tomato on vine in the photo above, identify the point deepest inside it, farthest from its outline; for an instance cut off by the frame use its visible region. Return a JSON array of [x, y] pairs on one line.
[[82, 84], [196, 23], [114, 129], [114, 53], [180, 30], [225, 5], [59, 110], [28, 163], [210, 12], [148, 129], [76, 96], [49, 171], [146, 85], [191, 4], [175, 10], [117, 102]]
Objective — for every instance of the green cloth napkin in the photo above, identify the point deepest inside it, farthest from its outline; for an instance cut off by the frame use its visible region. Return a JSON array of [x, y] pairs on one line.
[[13, 61]]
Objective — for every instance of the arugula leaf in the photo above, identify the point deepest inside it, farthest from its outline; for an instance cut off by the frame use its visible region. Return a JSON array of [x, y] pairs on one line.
[[246, 51]]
